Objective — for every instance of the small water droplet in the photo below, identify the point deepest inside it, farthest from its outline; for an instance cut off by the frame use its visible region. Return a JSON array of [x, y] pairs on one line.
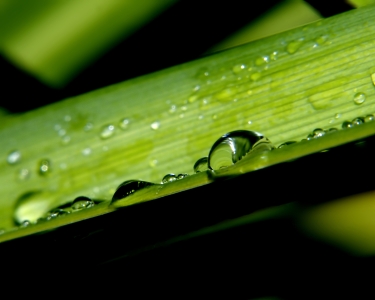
[[196, 88], [184, 108], [172, 109], [82, 202], [233, 146], [54, 214], [153, 163], [214, 117], [124, 124], [201, 165], [88, 127], [182, 176], [286, 144], [262, 60], [129, 187], [25, 223], [322, 39], [255, 76], [182, 116], [358, 121], [200, 117], [293, 46], [86, 151], [155, 125], [65, 140], [23, 174], [337, 116], [57, 127], [331, 130], [346, 124], [44, 167], [14, 157], [274, 55], [318, 133], [62, 132], [169, 178], [193, 98], [369, 118], [107, 131], [67, 118], [359, 98], [238, 68]]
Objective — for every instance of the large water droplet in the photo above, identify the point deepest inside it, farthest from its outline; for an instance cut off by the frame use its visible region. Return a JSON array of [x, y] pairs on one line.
[[233, 146], [44, 167], [14, 157], [155, 125], [129, 187], [201, 165], [82, 202], [347, 124], [31, 206], [169, 178], [107, 131], [359, 98]]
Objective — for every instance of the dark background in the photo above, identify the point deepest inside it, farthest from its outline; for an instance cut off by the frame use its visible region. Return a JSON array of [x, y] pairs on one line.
[[183, 32]]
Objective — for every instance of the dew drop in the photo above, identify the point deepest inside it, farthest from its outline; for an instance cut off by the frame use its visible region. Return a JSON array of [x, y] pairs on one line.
[[172, 109], [62, 132], [169, 178], [238, 68], [359, 98], [182, 176], [88, 127], [286, 144], [331, 130], [369, 118], [155, 125], [65, 140], [67, 118], [44, 167], [293, 47], [82, 202], [193, 98], [153, 163], [274, 55], [255, 76], [14, 157], [262, 60], [124, 123], [233, 146], [58, 212], [347, 124], [358, 121], [23, 174], [201, 165], [86, 151], [31, 206], [337, 116], [107, 131], [129, 187], [318, 133], [25, 223]]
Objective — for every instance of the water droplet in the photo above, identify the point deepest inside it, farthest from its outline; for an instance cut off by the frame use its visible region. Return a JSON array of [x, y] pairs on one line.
[[369, 118], [62, 132], [196, 88], [169, 178], [255, 76], [274, 55], [23, 174], [331, 130], [373, 78], [65, 140], [44, 167], [214, 117], [358, 121], [129, 187], [359, 98], [25, 223], [200, 117], [293, 47], [322, 39], [82, 202], [153, 163], [182, 176], [57, 127], [201, 165], [337, 116], [233, 146], [86, 151], [184, 108], [193, 98], [262, 60], [172, 109], [31, 206], [88, 127], [67, 118], [238, 68], [14, 157], [155, 125], [124, 123], [286, 144], [55, 213], [347, 124], [318, 133], [107, 131]]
